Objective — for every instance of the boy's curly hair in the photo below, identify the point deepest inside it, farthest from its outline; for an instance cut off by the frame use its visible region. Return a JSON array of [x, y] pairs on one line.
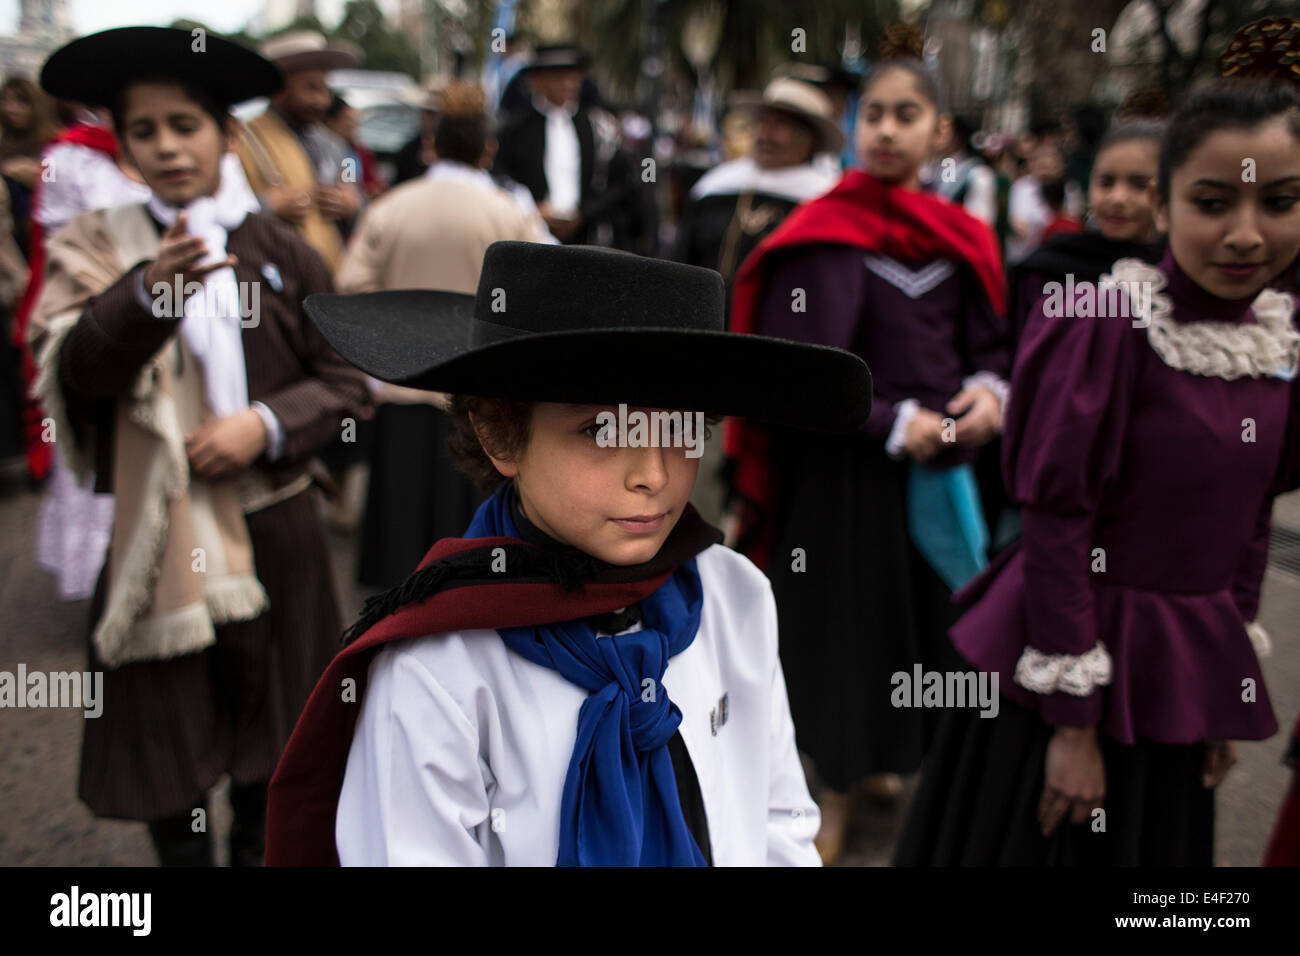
[[503, 426]]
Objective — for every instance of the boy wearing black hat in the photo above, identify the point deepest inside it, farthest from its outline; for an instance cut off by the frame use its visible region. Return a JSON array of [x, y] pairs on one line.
[[178, 367], [587, 677]]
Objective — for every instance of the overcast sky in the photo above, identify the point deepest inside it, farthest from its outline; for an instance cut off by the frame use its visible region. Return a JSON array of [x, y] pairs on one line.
[[88, 16]]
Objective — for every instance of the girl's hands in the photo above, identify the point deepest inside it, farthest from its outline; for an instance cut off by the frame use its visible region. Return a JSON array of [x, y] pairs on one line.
[[980, 424], [1220, 755], [1074, 779], [179, 252], [924, 435]]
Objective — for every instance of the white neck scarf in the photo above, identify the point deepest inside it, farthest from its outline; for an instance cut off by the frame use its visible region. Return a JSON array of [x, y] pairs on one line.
[[212, 323], [562, 161]]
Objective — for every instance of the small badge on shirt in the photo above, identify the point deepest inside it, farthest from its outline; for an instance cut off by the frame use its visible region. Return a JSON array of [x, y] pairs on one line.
[[272, 275], [718, 715]]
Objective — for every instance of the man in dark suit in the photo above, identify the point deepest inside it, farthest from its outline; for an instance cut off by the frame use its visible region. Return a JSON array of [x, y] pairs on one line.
[[569, 155]]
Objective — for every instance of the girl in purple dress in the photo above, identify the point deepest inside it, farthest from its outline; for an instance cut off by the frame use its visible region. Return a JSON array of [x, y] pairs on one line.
[[1121, 198], [1143, 449]]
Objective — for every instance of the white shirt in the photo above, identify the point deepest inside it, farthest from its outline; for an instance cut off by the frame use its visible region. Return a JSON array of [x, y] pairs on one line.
[[562, 161], [462, 746]]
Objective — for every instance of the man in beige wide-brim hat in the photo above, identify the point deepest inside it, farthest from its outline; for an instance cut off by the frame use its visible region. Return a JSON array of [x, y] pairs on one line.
[[301, 171], [800, 101], [733, 206]]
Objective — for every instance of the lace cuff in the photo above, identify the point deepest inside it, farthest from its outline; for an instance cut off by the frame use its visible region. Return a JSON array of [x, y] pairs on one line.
[[1079, 675], [903, 413]]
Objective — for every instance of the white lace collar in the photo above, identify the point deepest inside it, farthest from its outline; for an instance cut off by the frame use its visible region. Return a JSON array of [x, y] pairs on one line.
[[1227, 350]]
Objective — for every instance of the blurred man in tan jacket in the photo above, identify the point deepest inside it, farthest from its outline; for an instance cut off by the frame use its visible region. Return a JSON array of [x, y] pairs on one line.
[[428, 233], [296, 166]]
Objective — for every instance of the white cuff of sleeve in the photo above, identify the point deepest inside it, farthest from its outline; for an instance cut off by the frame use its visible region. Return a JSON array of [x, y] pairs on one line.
[[1078, 675], [274, 431], [995, 384], [143, 297], [1259, 639], [903, 413]]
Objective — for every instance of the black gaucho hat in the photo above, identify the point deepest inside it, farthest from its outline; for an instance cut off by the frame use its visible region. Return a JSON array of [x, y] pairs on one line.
[[565, 55], [95, 69], [588, 325]]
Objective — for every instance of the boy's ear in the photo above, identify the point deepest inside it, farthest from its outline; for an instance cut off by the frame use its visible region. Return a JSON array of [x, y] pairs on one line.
[[504, 466]]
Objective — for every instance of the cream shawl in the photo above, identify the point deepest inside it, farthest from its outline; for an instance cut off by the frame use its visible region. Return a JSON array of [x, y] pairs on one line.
[[180, 560]]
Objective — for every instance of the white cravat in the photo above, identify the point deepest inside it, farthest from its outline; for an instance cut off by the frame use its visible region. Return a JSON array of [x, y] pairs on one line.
[[563, 159], [212, 324]]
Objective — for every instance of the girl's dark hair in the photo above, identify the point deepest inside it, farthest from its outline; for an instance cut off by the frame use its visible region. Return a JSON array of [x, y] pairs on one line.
[[463, 127], [1053, 193], [461, 138], [901, 48], [504, 426], [1132, 131], [200, 96], [1223, 104], [964, 128]]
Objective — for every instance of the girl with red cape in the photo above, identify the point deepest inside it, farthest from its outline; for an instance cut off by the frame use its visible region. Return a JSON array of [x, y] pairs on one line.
[[914, 285]]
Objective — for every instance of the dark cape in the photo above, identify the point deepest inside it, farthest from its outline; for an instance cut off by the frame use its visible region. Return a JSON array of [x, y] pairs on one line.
[[1085, 255], [454, 589]]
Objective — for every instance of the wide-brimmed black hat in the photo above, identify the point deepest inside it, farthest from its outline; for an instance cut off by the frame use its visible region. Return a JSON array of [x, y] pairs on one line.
[[587, 325], [556, 55], [95, 69]]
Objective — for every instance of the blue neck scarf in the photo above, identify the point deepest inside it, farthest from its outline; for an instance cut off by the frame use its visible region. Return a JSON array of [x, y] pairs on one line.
[[620, 804]]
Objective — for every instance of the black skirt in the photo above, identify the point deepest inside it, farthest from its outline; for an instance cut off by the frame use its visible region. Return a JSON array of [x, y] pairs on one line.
[[866, 606], [977, 803], [170, 728], [416, 495]]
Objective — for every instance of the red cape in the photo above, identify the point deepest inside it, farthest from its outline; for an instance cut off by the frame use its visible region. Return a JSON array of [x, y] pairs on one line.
[[872, 215], [304, 791], [38, 450]]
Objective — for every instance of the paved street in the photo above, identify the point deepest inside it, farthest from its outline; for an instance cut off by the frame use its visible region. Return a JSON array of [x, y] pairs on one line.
[[42, 823]]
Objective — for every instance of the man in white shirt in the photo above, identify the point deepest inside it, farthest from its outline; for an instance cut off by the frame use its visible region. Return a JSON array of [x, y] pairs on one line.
[[569, 155]]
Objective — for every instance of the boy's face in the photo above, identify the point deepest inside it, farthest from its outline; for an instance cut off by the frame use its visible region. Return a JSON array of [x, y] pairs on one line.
[[174, 143], [618, 504]]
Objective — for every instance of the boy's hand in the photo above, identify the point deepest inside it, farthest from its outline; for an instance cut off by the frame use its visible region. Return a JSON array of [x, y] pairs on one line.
[[223, 446], [180, 253]]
